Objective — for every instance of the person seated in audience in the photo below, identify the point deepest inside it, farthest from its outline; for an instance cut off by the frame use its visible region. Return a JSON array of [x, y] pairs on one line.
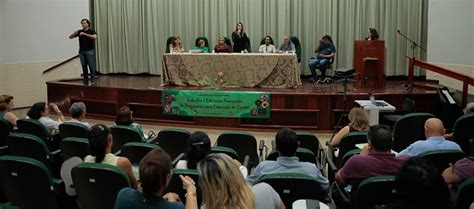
[[268, 47], [375, 159], [100, 148], [201, 47], [286, 144], [125, 118], [175, 46], [287, 46], [155, 175], [358, 122], [469, 109], [419, 186], [222, 47], [6, 108], [326, 51], [222, 189], [78, 113], [462, 169], [372, 35], [200, 147], [434, 132], [40, 111]]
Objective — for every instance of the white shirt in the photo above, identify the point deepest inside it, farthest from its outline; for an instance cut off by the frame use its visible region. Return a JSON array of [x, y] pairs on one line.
[[50, 124], [267, 49]]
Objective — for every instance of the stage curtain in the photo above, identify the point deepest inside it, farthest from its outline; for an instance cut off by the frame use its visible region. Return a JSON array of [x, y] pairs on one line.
[[132, 34]]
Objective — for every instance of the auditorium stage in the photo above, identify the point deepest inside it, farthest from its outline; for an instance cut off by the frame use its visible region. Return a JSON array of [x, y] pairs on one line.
[[311, 107]]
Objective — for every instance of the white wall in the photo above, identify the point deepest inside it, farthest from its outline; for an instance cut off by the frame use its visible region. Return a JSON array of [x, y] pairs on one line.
[[38, 30], [451, 39]]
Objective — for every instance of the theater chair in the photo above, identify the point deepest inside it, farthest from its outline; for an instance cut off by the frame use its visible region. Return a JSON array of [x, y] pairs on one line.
[[310, 141], [169, 40], [408, 129], [97, 185], [28, 184], [176, 185], [27, 145], [174, 141], [123, 135], [74, 147], [196, 42], [294, 186], [464, 198], [296, 41], [348, 143], [245, 145], [228, 42], [34, 127], [225, 150], [69, 129], [463, 132], [372, 192], [135, 151], [303, 154], [442, 159], [5, 130]]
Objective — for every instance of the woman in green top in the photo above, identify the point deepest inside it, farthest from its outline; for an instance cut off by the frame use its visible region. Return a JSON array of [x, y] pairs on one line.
[[202, 46]]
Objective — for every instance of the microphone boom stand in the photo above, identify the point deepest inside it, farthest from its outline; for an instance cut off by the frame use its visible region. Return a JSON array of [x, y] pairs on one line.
[[413, 47]]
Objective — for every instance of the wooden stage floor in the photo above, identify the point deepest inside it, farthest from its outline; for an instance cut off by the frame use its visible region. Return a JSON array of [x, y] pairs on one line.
[[314, 107]]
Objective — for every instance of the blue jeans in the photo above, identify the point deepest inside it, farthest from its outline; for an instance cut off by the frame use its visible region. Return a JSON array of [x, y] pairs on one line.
[[322, 64], [88, 59]]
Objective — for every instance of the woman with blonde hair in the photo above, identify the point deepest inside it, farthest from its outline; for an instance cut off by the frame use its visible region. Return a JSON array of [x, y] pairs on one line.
[[223, 187], [359, 122]]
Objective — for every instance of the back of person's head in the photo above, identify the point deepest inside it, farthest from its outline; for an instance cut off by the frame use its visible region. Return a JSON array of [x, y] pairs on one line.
[[4, 101], [359, 120], [420, 185], [124, 116], [221, 184], [469, 108], [36, 110], [77, 109], [199, 147], [328, 38], [98, 141], [286, 142], [471, 142], [380, 138], [434, 127], [375, 34], [154, 172]]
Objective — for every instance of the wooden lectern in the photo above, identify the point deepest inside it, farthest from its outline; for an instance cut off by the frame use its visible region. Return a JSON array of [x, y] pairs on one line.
[[369, 63]]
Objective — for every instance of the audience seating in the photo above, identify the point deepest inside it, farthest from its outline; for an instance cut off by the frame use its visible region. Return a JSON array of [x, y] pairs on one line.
[[97, 185], [464, 198], [123, 135], [74, 147], [174, 141], [244, 144], [27, 145], [5, 130], [310, 141], [226, 150], [135, 151], [377, 190], [8, 206], [296, 41], [28, 184], [348, 155], [463, 131], [70, 129], [442, 159], [176, 185], [408, 129], [348, 143], [303, 154], [408, 106], [34, 127], [294, 186]]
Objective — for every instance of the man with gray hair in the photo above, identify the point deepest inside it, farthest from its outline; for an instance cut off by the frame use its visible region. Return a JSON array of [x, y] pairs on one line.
[[78, 113]]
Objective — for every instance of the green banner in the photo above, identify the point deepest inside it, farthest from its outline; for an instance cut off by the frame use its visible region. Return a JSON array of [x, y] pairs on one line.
[[233, 104]]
